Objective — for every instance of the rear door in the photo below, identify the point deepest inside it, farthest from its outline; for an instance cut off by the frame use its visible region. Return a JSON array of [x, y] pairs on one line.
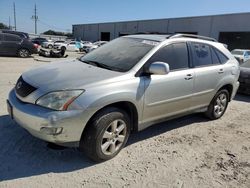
[[11, 44], [208, 73]]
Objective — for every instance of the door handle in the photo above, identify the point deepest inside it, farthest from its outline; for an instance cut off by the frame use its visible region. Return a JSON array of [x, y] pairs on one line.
[[221, 71], [189, 77]]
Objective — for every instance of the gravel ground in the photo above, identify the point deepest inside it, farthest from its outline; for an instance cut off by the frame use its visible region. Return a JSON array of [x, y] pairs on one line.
[[186, 152]]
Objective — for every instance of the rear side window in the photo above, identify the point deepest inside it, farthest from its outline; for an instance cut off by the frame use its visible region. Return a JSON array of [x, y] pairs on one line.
[[223, 59], [1, 37], [201, 54], [176, 55], [215, 57], [12, 38]]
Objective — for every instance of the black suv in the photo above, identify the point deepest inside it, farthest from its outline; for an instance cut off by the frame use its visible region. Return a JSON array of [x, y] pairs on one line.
[[18, 33], [13, 45]]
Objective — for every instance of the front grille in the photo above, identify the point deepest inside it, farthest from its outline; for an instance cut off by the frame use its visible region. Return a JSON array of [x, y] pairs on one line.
[[23, 88]]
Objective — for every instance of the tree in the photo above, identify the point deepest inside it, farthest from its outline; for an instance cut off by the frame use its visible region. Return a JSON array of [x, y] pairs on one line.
[[3, 26], [51, 32]]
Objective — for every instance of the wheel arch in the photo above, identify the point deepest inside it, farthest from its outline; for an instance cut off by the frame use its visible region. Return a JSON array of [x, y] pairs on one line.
[[229, 88], [127, 106]]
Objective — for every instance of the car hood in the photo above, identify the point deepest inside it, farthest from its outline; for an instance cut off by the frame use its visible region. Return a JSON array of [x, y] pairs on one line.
[[238, 56], [72, 74]]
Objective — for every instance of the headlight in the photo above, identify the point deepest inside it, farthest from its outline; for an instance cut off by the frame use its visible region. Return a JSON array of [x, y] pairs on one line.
[[59, 100]]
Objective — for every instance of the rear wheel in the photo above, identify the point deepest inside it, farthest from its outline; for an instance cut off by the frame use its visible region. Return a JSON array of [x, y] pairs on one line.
[[50, 46], [106, 135], [23, 53], [218, 105], [63, 48]]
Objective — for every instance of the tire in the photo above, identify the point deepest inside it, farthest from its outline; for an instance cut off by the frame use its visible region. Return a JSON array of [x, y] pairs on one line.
[[106, 134], [217, 107], [63, 48], [50, 46], [24, 53]]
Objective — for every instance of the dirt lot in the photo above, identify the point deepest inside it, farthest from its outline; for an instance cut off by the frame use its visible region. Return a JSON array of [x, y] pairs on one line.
[[187, 152]]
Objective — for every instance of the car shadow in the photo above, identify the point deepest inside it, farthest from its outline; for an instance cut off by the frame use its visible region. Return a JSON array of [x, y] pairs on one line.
[[166, 126], [23, 155], [242, 98]]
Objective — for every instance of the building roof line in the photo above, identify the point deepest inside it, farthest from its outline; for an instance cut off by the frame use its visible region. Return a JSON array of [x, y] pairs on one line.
[[160, 19]]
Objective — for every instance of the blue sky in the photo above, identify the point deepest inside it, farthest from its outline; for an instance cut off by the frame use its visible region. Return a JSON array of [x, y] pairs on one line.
[[61, 14]]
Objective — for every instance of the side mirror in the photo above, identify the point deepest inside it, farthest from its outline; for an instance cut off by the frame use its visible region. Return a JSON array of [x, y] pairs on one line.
[[159, 68]]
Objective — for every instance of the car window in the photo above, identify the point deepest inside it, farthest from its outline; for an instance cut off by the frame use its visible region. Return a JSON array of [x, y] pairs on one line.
[[215, 57], [120, 54], [248, 53], [201, 54], [237, 52], [72, 43], [1, 37], [221, 56], [12, 38], [176, 55]]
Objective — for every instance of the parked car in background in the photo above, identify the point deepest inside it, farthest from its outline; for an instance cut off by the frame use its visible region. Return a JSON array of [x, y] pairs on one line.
[[48, 44], [241, 55], [244, 78], [96, 45], [85, 47], [71, 46], [39, 40], [129, 84], [59, 42], [20, 34], [12, 45]]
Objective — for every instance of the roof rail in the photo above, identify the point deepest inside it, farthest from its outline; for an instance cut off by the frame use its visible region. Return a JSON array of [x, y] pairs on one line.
[[179, 35]]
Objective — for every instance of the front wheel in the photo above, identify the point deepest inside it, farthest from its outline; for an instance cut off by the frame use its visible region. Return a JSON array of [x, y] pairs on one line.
[[218, 105], [106, 135]]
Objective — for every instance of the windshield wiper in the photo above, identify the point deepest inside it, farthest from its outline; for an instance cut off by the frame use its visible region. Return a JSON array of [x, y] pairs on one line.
[[101, 65]]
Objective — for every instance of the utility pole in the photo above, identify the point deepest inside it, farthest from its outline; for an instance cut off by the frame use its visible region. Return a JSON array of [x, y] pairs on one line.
[[35, 18], [14, 15], [9, 24]]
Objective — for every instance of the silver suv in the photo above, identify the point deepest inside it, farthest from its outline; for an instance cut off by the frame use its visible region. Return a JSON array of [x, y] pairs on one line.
[[130, 83]]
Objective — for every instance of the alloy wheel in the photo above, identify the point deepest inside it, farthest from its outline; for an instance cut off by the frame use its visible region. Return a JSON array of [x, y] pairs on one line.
[[220, 105], [24, 53], [113, 137]]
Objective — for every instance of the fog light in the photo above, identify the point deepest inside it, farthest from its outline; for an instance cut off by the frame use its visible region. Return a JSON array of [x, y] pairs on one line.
[[51, 130]]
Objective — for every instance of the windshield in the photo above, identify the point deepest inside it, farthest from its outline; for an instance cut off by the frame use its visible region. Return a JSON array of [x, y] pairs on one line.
[[120, 54], [246, 64], [237, 52]]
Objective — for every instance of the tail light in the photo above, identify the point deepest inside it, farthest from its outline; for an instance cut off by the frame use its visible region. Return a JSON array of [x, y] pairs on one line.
[[36, 45]]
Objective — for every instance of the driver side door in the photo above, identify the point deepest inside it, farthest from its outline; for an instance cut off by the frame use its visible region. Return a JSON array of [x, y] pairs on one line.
[[171, 94]]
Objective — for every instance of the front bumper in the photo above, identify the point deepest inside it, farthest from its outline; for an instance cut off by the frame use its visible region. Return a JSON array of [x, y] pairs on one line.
[[38, 121]]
